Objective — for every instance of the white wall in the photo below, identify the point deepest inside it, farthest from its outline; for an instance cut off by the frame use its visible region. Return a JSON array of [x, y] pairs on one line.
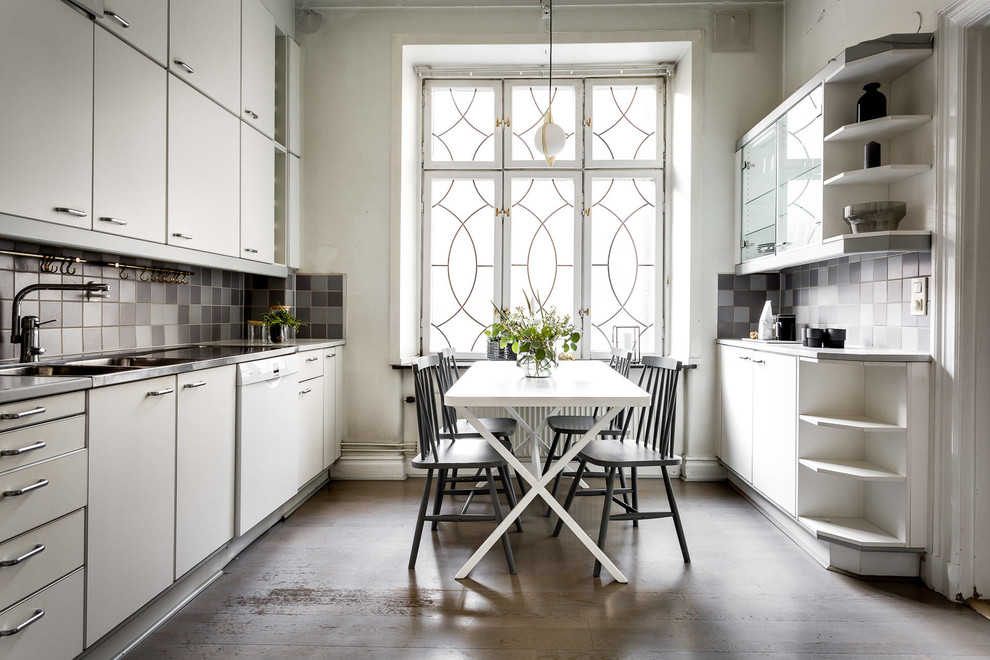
[[817, 30], [347, 156]]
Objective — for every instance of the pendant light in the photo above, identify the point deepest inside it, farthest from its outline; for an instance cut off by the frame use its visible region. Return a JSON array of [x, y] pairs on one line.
[[550, 137]]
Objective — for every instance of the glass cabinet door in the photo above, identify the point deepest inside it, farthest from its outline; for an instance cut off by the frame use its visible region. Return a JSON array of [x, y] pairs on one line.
[[799, 175], [759, 183]]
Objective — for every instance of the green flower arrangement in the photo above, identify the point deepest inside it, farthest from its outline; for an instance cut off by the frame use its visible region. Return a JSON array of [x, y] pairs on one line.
[[533, 332]]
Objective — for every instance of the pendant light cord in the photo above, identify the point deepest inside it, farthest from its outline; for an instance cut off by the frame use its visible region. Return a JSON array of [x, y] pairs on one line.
[[550, 84]]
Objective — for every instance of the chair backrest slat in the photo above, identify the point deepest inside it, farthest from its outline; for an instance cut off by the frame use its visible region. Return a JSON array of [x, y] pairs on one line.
[[426, 373], [447, 375], [656, 425]]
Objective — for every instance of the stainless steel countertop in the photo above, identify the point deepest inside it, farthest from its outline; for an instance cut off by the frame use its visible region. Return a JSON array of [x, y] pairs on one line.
[[857, 354], [205, 355]]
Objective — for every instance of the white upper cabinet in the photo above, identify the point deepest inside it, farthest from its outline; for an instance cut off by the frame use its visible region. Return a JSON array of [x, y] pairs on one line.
[[203, 172], [257, 196], [46, 112], [293, 215], [205, 47], [129, 142], [294, 84], [258, 67], [141, 23]]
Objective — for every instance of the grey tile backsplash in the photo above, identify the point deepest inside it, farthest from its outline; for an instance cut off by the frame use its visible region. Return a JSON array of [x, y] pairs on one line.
[[138, 314], [868, 295]]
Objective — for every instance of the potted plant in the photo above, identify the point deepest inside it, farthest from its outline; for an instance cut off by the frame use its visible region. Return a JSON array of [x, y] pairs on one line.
[[533, 333], [278, 320]]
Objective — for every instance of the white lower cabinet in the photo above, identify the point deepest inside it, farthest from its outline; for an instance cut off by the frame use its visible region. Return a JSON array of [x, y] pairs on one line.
[[332, 413], [774, 426], [131, 523], [736, 378], [310, 429], [49, 623], [204, 459]]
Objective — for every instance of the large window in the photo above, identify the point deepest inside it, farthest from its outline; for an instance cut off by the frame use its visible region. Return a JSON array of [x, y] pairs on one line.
[[584, 235]]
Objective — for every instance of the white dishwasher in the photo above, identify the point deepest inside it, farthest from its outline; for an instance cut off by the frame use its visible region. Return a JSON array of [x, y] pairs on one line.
[[267, 438]]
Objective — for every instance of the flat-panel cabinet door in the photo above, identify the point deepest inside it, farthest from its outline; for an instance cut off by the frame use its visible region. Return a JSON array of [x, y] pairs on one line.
[[294, 84], [331, 441], [205, 48], [46, 112], [141, 23], [204, 460], [203, 172], [775, 428], [258, 67], [129, 141], [257, 196], [310, 429], [131, 518], [736, 375]]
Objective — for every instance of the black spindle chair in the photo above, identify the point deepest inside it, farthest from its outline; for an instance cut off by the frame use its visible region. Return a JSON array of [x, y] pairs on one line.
[[652, 446], [442, 455]]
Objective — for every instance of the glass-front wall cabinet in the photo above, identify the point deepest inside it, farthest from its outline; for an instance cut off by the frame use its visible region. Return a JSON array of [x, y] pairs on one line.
[[781, 182]]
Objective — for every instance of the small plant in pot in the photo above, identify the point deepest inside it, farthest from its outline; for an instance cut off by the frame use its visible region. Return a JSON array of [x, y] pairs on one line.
[[278, 320], [533, 332]]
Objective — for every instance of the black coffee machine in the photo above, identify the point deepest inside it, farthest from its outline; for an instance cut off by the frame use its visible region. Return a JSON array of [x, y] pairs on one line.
[[786, 327]]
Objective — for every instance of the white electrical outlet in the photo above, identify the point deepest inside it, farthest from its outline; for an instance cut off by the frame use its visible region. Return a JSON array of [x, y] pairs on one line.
[[919, 296]]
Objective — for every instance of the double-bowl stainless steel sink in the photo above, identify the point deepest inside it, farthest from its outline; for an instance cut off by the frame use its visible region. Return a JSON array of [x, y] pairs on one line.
[[93, 367]]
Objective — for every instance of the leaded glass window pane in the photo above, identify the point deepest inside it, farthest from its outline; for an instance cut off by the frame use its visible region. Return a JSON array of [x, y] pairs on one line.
[[528, 105], [462, 266], [623, 260], [625, 122], [462, 126], [542, 249]]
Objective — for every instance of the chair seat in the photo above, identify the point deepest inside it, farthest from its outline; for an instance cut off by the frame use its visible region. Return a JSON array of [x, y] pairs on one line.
[[614, 453], [455, 454], [498, 426], [575, 424]]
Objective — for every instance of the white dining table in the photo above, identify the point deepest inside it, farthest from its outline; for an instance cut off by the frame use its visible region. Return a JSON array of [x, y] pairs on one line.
[[574, 383]]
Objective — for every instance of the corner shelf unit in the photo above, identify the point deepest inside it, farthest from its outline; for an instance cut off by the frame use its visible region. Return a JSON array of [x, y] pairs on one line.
[[883, 175], [863, 448]]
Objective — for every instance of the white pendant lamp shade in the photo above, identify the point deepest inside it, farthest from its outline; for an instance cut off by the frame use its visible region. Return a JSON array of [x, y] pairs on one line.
[[549, 139]]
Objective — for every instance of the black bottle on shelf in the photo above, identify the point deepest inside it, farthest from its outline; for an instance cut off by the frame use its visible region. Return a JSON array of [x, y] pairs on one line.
[[871, 105]]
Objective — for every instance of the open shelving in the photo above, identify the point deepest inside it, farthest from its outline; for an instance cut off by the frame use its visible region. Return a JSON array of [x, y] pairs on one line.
[[855, 531], [853, 468], [858, 422], [878, 130], [883, 175]]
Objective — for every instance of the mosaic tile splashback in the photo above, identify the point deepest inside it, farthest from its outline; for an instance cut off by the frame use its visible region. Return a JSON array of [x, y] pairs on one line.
[[868, 295]]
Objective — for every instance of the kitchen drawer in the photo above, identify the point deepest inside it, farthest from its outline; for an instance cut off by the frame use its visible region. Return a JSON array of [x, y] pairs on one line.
[[57, 630], [41, 441], [34, 411], [64, 492], [310, 365], [46, 553]]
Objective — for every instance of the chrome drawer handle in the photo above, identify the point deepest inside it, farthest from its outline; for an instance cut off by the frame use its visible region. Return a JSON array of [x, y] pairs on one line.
[[38, 549], [7, 632], [21, 415], [188, 237], [251, 250], [167, 390], [312, 359], [758, 362], [184, 66], [331, 355], [198, 383], [116, 17], [23, 450], [75, 212], [306, 391], [251, 112], [116, 221], [27, 489], [742, 357]]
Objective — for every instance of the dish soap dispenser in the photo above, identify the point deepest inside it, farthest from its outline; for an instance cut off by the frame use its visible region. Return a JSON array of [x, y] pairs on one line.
[[765, 330]]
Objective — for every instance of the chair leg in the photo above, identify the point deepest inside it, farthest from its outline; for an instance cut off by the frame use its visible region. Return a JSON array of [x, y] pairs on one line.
[[560, 475], [606, 511], [570, 496], [510, 495], [634, 479], [438, 498], [420, 520], [676, 516], [519, 480], [622, 484], [498, 517], [550, 453]]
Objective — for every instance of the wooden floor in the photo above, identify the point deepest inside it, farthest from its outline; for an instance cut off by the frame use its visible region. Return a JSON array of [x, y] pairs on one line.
[[332, 582]]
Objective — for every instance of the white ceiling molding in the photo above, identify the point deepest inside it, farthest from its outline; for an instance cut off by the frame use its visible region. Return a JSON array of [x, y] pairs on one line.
[[503, 4]]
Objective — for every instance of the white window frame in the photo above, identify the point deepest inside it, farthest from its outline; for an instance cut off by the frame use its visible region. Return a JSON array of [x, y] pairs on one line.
[[576, 163], [582, 171]]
